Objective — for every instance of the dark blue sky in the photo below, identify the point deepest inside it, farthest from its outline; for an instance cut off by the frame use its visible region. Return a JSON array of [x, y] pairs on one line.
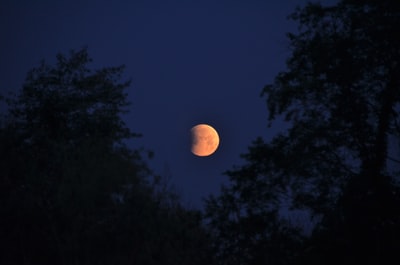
[[190, 62]]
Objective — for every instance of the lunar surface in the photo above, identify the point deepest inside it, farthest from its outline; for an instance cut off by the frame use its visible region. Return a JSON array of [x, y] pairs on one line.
[[205, 140]]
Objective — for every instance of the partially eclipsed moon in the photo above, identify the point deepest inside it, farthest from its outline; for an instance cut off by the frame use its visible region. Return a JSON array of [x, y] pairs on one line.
[[205, 140]]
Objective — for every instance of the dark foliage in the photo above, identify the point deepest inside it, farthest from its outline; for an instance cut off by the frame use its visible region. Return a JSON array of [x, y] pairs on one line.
[[338, 160], [71, 191]]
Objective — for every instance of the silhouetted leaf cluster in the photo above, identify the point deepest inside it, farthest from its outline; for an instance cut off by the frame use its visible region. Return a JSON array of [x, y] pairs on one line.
[[338, 160], [71, 191]]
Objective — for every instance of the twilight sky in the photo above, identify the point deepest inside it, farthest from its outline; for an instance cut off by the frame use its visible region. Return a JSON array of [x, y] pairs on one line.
[[193, 61]]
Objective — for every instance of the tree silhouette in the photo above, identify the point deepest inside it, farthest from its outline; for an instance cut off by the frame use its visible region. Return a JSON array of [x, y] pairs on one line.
[[340, 94], [71, 191]]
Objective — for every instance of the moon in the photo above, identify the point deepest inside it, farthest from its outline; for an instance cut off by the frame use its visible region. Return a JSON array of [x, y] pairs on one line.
[[205, 140]]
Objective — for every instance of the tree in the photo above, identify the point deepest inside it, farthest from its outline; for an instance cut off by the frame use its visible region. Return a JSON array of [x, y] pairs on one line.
[[340, 95], [71, 190], [62, 158]]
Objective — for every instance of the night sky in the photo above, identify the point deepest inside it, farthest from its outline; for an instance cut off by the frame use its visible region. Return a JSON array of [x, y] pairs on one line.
[[190, 62]]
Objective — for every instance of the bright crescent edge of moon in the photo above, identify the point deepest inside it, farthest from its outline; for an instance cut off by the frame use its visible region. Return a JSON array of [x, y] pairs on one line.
[[205, 140]]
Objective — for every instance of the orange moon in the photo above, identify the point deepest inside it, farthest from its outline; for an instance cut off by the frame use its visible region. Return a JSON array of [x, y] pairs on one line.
[[205, 140]]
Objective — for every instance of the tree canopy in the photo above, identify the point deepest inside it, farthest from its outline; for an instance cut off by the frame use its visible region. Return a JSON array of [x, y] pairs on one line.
[[338, 160], [71, 190]]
